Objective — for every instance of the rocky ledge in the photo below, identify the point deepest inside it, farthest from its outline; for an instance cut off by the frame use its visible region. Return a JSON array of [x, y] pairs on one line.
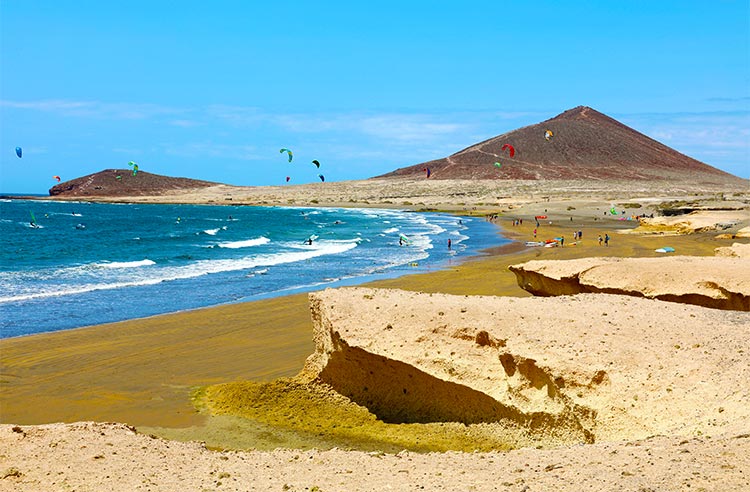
[[721, 282], [542, 370]]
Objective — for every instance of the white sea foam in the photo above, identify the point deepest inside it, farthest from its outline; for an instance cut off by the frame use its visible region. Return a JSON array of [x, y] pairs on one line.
[[165, 274], [124, 264], [246, 243]]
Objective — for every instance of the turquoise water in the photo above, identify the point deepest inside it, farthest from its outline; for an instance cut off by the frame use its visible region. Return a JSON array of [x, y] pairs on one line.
[[90, 263]]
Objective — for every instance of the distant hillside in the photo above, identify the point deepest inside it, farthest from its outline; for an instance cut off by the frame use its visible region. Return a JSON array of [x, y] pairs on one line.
[[122, 182], [586, 145]]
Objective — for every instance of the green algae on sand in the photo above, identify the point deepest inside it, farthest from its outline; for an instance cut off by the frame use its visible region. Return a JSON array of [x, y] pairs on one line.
[[316, 413]]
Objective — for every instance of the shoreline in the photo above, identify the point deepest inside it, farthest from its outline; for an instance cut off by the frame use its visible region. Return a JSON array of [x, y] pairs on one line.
[[482, 238], [143, 370], [76, 346]]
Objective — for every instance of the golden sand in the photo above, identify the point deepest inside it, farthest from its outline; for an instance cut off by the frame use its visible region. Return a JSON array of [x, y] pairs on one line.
[[143, 372]]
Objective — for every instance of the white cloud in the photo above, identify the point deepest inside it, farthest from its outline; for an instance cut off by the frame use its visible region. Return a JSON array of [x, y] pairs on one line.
[[718, 138]]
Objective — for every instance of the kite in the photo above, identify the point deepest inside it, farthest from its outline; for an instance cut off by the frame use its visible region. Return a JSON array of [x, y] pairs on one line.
[[317, 164], [498, 165], [287, 179], [57, 178], [281, 151], [548, 135], [322, 178], [19, 152], [134, 166], [427, 172], [509, 147]]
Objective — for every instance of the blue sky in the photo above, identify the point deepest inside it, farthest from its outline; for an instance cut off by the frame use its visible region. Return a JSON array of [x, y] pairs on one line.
[[213, 90]]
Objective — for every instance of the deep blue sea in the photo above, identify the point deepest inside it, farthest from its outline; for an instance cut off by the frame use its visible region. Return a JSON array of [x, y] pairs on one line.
[[89, 263]]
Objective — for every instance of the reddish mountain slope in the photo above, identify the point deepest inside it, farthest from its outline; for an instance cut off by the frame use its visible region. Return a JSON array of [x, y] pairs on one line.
[[587, 145], [122, 182]]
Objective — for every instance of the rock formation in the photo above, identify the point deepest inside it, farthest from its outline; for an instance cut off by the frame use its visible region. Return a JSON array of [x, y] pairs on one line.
[[738, 250], [715, 282], [543, 370], [694, 222]]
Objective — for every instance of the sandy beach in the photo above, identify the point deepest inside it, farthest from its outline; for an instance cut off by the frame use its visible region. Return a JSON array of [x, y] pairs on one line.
[[145, 372]]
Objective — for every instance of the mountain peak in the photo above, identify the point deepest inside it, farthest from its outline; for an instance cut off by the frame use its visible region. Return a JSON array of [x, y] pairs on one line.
[[585, 145], [578, 112]]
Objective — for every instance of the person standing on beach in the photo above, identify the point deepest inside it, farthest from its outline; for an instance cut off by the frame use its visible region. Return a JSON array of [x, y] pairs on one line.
[[606, 239], [562, 241], [600, 239], [535, 233]]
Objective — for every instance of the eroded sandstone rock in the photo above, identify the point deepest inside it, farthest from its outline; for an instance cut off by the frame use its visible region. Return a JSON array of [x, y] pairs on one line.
[[544, 370], [715, 282], [738, 250]]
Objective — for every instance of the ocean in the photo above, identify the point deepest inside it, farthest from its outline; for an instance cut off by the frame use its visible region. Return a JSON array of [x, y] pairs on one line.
[[91, 263]]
